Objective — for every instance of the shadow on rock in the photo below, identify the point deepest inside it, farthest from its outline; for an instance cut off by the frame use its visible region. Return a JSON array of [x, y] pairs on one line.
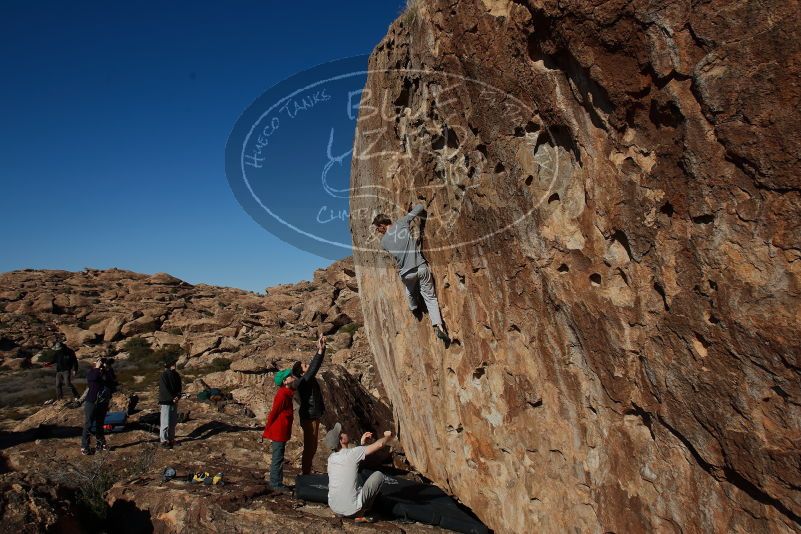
[[127, 518], [212, 428], [12, 439]]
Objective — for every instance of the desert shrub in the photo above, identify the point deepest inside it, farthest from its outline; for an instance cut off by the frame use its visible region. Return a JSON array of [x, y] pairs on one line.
[[138, 348], [48, 356], [92, 478], [168, 352], [350, 328], [90, 481], [219, 364], [174, 330], [411, 11]]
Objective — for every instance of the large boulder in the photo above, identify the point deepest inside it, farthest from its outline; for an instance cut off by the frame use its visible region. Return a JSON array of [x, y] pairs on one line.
[[141, 325], [613, 204], [43, 303], [113, 329], [76, 336], [200, 344], [165, 279]]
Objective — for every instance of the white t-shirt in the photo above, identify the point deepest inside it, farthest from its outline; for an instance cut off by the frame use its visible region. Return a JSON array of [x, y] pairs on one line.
[[344, 494]]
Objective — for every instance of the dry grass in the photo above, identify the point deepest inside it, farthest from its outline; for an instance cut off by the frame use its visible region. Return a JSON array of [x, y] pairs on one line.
[[93, 476], [411, 11]]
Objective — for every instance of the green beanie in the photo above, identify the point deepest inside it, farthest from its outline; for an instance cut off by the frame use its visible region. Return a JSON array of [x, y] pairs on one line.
[[280, 376]]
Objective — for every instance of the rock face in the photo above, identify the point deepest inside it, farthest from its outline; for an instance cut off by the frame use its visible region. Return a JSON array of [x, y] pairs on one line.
[[614, 228]]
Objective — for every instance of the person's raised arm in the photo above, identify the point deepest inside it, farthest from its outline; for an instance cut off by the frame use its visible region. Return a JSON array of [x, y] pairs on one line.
[[373, 447], [406, 219], [316, 362]]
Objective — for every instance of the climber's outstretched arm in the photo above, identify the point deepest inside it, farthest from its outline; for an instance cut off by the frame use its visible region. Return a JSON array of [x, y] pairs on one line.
[[406, 219]]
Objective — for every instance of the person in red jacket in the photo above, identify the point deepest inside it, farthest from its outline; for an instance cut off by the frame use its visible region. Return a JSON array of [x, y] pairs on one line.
[[279, 427]]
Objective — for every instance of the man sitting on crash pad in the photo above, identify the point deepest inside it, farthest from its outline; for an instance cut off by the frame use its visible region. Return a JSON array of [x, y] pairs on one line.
[[345, 497]]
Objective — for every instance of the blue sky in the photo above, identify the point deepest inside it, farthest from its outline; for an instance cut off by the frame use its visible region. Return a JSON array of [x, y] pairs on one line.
[[114, 118]]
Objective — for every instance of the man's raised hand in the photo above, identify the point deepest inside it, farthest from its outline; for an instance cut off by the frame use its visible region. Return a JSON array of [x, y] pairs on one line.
[[321, 343], [365, 437]]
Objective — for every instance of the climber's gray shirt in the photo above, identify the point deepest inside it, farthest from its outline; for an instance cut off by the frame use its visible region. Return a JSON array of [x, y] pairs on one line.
[[399, 242]]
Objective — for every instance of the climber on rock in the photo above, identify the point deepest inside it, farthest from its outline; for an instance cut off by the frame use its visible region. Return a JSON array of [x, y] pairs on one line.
[[413, 269], [345, 497]]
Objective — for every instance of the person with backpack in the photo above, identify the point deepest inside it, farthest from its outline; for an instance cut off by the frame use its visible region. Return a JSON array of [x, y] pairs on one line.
[[412, 266], [279, 427], [312, 406], [66, 368], [100, 383], [169, 393]]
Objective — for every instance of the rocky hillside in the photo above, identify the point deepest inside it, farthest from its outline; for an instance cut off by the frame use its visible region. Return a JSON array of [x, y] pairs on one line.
[[613, 225], [238, 334], [226, 338]]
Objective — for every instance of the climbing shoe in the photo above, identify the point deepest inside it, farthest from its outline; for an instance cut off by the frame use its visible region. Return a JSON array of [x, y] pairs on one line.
[[202, 477], [442, 335]]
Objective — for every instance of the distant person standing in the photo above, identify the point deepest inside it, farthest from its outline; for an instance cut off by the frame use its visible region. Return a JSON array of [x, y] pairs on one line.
[[169, 393], [413, 269], [279, 427], [98, 394], [66, 367], [312, 406]]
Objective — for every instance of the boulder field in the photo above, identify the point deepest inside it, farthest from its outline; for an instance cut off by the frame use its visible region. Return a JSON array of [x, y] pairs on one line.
[[226, 338]]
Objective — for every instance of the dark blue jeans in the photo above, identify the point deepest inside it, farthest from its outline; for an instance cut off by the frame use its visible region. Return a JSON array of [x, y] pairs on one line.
[[93, 414], [277, 465]]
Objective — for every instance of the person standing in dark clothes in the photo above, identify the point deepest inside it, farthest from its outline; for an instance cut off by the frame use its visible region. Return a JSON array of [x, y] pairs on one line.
[[312, 407], [169, 393], [66, 367], [95, 407], [109, 387]]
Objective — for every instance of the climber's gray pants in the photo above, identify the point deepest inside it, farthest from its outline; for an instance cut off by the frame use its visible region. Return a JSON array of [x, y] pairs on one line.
[[371, 490], [420, 283]]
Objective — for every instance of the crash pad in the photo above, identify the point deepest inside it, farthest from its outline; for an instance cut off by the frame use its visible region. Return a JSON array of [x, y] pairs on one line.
[[114, 422], [402, 499]]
